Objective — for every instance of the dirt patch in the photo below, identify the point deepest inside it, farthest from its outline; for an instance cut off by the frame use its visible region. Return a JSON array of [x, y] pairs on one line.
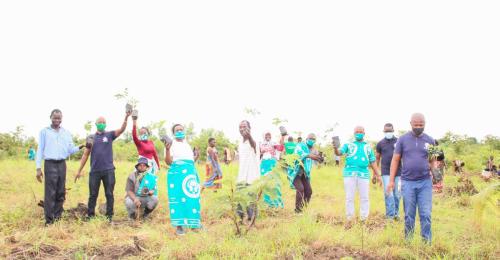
[[29, 251], [374, 221], [465, 187], [330, 219], [79, 212], [321, 251]]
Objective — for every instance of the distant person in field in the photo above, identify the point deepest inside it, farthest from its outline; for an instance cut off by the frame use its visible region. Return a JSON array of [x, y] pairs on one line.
[[488, 171], [299, 175], [196, 153], [141, 190], [458, 166], [249, 169], [337, 160], [145, 146], [385, 150], [290, 146], [183, 184], [31, 153], [55, 145], [269, 157], [102, 168], [416, 184], [213, 170], [227, 156], [359, 156], [299, 139]]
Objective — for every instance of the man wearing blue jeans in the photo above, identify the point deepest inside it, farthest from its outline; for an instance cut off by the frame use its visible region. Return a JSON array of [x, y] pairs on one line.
[[416, 184], [385, 150]]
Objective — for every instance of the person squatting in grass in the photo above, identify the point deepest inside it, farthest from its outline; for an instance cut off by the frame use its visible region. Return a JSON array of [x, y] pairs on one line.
[[102, 168], [359, 156], [55, 145], [183, 184], [141, 190]]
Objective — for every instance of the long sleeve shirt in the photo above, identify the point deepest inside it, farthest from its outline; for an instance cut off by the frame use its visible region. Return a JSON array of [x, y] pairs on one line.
[[145, 148], [54, 145]]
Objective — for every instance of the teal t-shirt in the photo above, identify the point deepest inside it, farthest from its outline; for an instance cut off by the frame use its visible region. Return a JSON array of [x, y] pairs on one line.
[[290, 147], [359, 155]]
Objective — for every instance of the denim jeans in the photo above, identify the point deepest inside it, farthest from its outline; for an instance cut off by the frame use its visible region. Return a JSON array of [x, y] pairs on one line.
[[417, 194], [391, 199]]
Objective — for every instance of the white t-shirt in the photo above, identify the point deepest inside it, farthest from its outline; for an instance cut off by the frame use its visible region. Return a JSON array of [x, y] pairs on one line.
[[181, 151], [249, 168]]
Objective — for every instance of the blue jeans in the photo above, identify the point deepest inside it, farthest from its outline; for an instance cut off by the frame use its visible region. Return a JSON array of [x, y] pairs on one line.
[[417, 194], [391, 199]]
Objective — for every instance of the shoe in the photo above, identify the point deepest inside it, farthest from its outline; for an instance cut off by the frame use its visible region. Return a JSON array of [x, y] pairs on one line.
[[180, 231]]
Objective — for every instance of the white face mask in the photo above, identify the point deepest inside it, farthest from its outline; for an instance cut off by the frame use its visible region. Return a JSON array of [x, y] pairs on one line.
[[389, 135]]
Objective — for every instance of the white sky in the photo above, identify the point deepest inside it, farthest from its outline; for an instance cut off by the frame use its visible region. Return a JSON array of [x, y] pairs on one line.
[[312, 62]]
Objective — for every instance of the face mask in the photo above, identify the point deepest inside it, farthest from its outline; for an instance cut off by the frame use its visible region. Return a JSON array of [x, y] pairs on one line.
[[310, 142], [180, 135], [389, 135], [100, 127], [143, 137], [359, 136], [418, 131]]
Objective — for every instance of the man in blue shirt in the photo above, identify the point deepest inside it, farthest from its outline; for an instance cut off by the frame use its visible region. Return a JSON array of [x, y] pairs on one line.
[[101, 165], [385, 150], [416, 184], [55, 145]]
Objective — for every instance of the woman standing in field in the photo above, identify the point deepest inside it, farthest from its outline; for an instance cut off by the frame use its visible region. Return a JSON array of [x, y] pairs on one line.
[[269, 156], [214, 173], [145, 147], [183, 184]]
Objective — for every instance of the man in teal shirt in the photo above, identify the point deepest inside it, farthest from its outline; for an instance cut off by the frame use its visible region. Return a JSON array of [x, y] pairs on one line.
[[359, 156], [300, 174]]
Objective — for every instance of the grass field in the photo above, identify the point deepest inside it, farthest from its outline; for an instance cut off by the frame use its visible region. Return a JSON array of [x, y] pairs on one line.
[[458, 233]]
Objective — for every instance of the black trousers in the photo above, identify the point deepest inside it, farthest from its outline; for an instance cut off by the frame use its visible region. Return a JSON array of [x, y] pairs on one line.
[[303, 190], [108, 180], [55, 189]]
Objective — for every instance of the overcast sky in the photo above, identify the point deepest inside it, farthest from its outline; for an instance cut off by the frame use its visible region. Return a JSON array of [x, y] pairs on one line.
[[314, 63]]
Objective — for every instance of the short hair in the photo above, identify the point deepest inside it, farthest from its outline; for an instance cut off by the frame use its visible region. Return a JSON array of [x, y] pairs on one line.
[[55, 111], [290, 139], [173, 127], [389, 125], [211, 139], [248, 123], [147, 130]]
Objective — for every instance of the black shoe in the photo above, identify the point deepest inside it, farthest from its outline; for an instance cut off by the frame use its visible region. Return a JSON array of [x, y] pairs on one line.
[[132, 216], [147, 212]]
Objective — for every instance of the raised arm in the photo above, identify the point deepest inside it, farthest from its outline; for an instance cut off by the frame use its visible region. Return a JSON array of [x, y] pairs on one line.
[[134, 134], [118, 132]]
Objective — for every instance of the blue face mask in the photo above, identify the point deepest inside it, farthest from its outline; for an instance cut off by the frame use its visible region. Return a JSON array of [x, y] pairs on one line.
[[310, 142], [389, 135], [359, 136], [180, 135], [143, 137]]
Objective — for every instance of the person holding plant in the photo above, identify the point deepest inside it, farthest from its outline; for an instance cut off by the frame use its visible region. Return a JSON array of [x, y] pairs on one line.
[[102, 168], [359, 156], [145, 146], [412, 150], [183, 184], [269, 157], [299, 174]]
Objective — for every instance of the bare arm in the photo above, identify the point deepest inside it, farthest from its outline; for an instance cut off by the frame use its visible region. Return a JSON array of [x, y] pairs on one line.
[[83, 161], [124, 126], [396, 159], [168, 156], [377, 155]]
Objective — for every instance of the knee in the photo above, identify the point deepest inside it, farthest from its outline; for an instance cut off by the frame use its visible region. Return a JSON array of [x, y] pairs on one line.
[[153, 202], [129, 204]]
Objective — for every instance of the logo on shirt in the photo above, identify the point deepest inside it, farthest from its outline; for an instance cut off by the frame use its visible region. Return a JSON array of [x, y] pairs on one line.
[[426, 146], [105, 139]]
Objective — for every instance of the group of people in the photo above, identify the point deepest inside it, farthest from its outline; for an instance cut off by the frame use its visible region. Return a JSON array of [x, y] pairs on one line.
[[403, 161]]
